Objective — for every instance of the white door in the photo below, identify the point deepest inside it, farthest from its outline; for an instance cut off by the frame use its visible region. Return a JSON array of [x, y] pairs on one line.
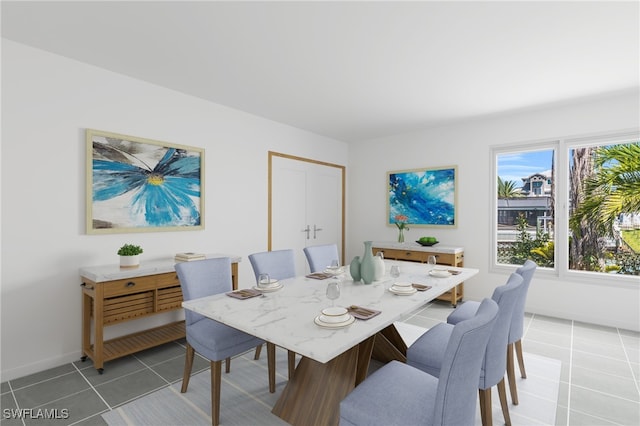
[[306, 205]]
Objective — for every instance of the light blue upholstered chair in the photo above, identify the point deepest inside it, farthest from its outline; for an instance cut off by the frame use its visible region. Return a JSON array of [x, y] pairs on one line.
[[319, 257], [516, 328], [211, 339], [280, 265], [427, 352], [398, 394]]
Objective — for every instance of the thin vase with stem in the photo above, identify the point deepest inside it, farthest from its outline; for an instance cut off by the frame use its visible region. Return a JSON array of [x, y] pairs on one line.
[[401, 235]]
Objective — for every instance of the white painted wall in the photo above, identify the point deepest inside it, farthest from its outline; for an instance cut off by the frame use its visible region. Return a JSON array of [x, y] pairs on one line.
[[603, 301], [47, 103]]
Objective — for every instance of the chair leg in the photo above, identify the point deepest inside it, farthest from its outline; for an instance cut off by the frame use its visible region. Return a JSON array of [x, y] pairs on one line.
[[227, 365], [271, 364], [188, 365], [518, 347], [291, 358], [502, 395], [258, 350], [485, 406], [216, 373], [511, 375]]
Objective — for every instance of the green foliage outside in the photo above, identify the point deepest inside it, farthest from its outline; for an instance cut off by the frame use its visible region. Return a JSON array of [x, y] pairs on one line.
[[538, 249], [632, 238]]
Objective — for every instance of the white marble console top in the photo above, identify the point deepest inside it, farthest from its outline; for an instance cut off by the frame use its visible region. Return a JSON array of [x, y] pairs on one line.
[[111, 272], [286, 317], [437, 248]]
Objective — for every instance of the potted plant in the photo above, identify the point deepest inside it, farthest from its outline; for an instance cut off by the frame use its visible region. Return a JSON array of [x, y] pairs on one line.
[[129, 255]]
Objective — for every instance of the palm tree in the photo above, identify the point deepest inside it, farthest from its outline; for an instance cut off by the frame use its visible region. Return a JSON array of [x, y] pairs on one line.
[[612, 189], [507, 189], [583, 247]]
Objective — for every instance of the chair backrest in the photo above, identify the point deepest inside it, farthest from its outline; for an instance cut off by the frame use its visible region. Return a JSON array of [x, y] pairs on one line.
[[203, 278], [517, 323], [279, 264], [495, 359], [458, 383], [319, 257]]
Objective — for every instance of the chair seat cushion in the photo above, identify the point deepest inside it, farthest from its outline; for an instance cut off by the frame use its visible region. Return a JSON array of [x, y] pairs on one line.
[[463, 312], [216, 341], [396, 394], [427, 352]]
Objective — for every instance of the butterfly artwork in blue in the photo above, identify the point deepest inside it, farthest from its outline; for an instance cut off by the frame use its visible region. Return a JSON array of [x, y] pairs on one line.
[[143, 185]]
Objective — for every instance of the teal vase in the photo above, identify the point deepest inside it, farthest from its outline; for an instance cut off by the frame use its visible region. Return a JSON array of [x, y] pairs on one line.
[[367, 265], [354, 269]]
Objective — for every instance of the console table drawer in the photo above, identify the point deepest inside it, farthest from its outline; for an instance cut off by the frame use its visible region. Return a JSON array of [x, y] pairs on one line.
[[412, 256], [169, 279], [129, 285]]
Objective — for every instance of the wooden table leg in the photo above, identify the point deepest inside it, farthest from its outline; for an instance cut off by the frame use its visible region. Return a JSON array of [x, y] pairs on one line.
[[312, 396]]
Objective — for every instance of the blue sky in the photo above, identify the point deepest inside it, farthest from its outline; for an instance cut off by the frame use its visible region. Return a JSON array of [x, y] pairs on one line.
[[515, 166]]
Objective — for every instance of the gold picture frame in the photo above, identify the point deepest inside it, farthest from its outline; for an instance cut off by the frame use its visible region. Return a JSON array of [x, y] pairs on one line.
[[142, 185]]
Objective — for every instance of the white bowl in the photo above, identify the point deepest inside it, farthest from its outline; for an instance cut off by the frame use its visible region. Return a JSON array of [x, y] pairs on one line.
[[403, 289], [272, 283], [402, 285], [334, 315], [440, 273]]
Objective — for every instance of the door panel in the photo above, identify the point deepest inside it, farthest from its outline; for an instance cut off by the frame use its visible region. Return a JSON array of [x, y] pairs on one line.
[[303, 194]]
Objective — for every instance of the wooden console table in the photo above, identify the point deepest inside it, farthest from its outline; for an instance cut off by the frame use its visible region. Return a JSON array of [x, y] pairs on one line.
[[112, 295], [414, 252]]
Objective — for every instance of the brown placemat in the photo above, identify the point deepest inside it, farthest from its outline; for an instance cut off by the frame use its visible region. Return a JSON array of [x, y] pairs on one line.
[[319, 276], [362, 313], [421, 287], [245, 293]]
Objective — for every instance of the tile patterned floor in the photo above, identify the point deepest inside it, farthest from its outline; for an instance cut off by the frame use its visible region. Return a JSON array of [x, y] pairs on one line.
[[599, 382]]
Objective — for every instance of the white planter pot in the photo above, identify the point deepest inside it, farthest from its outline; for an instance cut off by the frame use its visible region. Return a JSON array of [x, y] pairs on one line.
[[130, 261]]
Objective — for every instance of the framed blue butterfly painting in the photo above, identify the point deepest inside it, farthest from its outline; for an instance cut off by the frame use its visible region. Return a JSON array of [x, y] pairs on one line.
[[141, 185]]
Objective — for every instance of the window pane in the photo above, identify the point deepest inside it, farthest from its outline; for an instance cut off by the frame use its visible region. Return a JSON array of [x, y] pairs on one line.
[[604, 208], [526, 199]]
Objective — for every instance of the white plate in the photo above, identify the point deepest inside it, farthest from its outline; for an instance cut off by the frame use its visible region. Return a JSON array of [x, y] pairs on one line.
[[323, 324], [440, 273], [334, 271], [327, 319], [402, 293], [334, 311], [403, 289], [272, 283], [268, 289], [334, 315]]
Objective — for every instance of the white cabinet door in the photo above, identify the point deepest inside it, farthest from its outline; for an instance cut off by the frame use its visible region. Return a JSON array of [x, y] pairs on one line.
[[306, 206]]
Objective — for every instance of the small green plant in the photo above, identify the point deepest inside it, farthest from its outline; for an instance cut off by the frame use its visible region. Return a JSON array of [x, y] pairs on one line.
[[130, 250]]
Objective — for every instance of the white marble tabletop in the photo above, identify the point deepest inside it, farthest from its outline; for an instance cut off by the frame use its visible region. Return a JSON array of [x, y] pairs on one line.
[[411, 245], [286, 317], [102, 273]]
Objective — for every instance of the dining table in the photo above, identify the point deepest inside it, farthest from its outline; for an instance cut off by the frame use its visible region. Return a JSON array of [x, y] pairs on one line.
[[333, 360]]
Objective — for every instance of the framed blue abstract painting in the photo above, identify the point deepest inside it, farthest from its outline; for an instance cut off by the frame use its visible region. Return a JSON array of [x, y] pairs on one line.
[[142, 185], [427, 197]]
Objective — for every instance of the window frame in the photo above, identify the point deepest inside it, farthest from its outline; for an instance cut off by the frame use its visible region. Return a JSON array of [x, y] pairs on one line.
[[561, 146]]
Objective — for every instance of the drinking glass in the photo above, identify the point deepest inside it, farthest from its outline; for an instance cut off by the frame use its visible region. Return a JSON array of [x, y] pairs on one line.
[[333, 292], [395, 271], [264, 280], [431, 261]]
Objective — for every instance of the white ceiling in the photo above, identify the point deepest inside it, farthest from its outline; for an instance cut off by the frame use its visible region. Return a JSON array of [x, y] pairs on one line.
[[351, 70]]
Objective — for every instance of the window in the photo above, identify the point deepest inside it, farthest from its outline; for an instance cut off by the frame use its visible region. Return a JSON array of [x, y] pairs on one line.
[[525, 207], [595, 184]]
